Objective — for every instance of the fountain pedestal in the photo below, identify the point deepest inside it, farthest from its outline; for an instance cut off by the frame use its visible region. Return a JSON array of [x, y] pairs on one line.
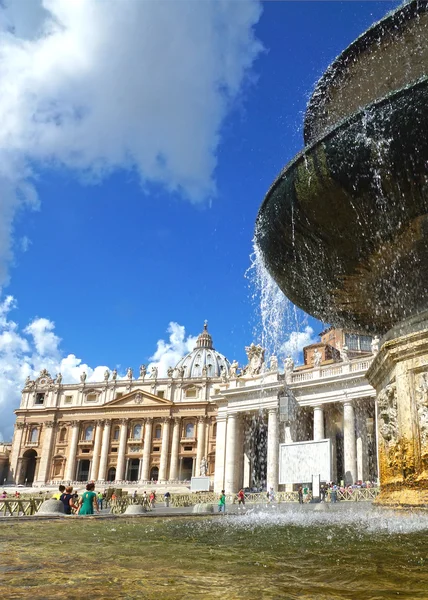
[[399, 374]]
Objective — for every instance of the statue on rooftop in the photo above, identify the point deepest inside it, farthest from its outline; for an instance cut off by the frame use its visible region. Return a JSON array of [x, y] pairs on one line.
[[256, 359], [59, 378], [114, 374], [106, 375], [83, 377], [234, 369], [129, 373], [273, 363], [375, 345], [344, 354], [170, 372], [317, 358], [154, 372], [143, 372]]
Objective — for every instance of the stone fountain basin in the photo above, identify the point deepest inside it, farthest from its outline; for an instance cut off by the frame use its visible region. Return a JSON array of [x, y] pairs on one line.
[[344, 227], [388, 56]]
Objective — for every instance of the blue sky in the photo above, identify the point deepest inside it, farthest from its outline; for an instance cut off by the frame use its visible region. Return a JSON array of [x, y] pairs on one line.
[[111, 255]]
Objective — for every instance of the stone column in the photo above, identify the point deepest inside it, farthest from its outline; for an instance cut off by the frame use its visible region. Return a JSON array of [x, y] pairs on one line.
[[272, 449], [318, 423], [16, 449], [97, 449], [220, 446], [70, 471], [331, 434], [45, 457], [105, 447], [230, 467], [349, 448], [362, 444], [123, 439], [200, 448], [175, 447], [147, 449], [163, 467]]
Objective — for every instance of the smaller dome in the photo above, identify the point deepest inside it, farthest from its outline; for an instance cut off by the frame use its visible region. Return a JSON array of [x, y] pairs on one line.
[[203, 357]]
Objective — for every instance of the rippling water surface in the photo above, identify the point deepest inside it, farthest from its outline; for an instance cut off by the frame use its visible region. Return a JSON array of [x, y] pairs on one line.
[[299, 552]]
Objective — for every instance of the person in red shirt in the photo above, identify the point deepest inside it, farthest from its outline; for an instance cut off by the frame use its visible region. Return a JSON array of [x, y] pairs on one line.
[[241, 498]]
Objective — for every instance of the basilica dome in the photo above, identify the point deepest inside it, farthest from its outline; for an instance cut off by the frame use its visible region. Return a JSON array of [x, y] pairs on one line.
[[202, 358]]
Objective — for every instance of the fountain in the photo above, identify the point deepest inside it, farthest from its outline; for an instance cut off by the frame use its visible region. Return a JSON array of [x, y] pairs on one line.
[[344, 227]]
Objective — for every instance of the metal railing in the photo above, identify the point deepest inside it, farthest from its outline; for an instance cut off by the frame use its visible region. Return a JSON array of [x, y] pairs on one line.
[[19, 507]]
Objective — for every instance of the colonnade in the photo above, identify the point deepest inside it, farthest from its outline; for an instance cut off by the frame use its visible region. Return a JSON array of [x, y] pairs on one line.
[[169, 463], [229, 460], [355, 440]]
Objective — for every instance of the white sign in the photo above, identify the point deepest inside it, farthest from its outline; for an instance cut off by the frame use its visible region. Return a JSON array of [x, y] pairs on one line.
[[200, 484], [298, 462]]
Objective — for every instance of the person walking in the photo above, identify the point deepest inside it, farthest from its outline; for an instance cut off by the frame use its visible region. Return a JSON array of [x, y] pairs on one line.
[[152, 499], [167, 497], [100, 498], [241, 499], [222, 502], [88, 501], [300, 494]]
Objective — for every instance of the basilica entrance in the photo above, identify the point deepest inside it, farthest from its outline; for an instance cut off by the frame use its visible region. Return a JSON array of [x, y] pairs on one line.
[[154, 473], [133, 469], [29, 462], [83, 470], [186, 469], [111, 475]]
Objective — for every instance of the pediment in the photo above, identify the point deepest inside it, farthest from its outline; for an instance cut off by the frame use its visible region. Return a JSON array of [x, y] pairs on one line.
[[139, 398]]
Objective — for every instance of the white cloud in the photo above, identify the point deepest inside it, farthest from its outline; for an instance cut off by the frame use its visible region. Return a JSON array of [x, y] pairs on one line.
[[169, 353], [25, 352], [143, 86], [296, 341]]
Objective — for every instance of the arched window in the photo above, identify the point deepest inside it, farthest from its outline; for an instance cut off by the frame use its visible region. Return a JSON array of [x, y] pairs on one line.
[[158, 432], [63, 434], [190, 430], [111, 475], [34, 435], [209, 370], [116, 433], [89, 431], [137, 432]]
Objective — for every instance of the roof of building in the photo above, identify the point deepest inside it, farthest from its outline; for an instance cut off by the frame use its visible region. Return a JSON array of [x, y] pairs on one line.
[[203, 356]]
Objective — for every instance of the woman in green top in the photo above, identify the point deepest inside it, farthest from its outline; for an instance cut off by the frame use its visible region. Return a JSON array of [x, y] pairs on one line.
[[88, 501]]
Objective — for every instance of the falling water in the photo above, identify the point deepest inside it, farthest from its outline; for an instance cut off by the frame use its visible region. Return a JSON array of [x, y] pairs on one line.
[[279, 325]]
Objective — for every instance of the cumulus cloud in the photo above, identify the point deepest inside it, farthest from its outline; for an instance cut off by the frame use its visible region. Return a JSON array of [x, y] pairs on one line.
[[169, 353], [143, 86], [296, 341], [24, 352]]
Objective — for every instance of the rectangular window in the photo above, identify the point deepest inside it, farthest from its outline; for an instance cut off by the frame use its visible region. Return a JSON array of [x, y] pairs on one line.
[[161, 394], [119, 395], [188, 448], [114, 449], [358, 343], [85, 451], [91, 398], [68, 400], [40, 399], [156, 449]]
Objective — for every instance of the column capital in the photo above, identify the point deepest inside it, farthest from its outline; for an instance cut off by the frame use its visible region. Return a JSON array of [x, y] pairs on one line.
[[123, 421], [49, 424], [202, 419], [272, 411], [75, 423], [348, 403], [107, 422], [177, 420], [20, 425], [148, 420], [99, 422], [166, 419]]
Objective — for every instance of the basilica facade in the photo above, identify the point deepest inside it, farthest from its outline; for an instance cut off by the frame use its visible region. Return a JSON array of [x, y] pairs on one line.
[[207, 417]]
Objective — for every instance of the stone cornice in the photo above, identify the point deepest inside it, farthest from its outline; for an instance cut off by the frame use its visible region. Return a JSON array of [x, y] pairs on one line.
[[394, 351]]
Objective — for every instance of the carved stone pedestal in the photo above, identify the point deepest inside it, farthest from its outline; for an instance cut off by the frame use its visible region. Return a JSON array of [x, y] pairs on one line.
[[399, 374]]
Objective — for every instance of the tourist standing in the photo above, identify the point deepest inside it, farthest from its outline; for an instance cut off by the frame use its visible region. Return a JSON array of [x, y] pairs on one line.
[[67, 498], [167, 497], [152, 499], [241, 498], [271, 495], [88, 501], [222, 502], [59, 493], [300, 494], [100, 498]]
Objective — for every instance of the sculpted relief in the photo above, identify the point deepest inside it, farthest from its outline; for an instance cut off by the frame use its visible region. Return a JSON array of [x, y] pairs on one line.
[[387, 413], [422, 406]]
